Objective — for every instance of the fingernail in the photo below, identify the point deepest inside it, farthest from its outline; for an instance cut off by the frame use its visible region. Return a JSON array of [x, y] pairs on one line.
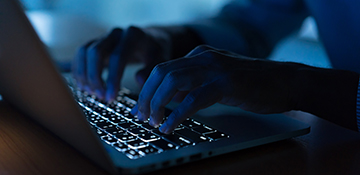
[[152, 123], [163, 128]]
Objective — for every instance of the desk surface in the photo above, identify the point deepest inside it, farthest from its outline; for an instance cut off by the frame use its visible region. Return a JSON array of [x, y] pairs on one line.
[[27, 148]]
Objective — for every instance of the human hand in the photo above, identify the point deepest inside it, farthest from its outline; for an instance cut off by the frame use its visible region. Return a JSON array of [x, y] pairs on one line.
[[210, 76], [147, 45]]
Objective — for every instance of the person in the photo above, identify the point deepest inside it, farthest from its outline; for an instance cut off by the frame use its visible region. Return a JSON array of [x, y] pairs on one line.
[[221, 60]]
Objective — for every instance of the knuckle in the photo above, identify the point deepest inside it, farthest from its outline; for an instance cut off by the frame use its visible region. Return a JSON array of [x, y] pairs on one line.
[[191, 98], [203, 52], [133, 29], [160, 69], [172, 77], [135, 32], [116, 31], [202, 48]]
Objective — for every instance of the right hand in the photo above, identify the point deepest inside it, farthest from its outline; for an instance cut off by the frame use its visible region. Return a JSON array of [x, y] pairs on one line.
[[149, 45]]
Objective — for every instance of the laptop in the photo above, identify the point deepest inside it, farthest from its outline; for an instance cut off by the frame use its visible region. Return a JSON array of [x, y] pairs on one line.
[[107, 133]]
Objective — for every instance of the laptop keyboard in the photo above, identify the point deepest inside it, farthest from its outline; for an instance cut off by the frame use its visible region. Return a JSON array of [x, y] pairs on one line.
[[115, 125]]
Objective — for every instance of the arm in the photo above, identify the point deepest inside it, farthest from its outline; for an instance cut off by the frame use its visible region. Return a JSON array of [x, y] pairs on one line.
[[255, 85], [329, 94]]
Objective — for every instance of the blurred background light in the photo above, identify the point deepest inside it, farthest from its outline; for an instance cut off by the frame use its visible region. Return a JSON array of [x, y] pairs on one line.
[[64, 25]]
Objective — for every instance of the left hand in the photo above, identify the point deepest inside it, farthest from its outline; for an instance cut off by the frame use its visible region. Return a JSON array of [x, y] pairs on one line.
[[210, 76]]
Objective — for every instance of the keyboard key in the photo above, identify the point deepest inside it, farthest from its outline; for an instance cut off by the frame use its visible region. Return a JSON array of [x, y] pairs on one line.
[[94, 118], [104, 113], [117, 120], [111, 105], [157, 132], [194, 137], [163, 144], [137, 144], [191, 123], [114, 131], [148, 150], [101, 122], [125, 137], [116, 126], [148, 137], [139, 122], [107, 114], [127, 125], [178, 140], [217, 135], [100, 133], [120, 146], [147, 126], [127, 115], [137, 131], [203, 129], [105, 125], [108, 139], [132, 154], [119, 110], [97, 109]]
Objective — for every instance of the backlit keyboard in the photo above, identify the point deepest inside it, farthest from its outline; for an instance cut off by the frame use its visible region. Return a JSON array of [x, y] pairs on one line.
[[115, 125]]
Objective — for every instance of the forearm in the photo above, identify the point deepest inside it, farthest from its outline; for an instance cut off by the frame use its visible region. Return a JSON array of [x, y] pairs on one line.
[[329, 94]]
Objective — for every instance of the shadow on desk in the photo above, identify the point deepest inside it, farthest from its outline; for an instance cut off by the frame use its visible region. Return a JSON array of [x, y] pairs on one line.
[[27, 148]]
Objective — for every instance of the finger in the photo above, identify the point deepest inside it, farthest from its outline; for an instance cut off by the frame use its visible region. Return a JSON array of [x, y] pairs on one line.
[[79, 65], [148, 90], [123, 51], [185, 79], [203, 49], [200, 98], [156, 77], [134, 110], [96, 56], [198, 50]]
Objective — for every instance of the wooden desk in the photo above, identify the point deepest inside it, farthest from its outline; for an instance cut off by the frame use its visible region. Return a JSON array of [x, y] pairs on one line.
[[26, 148]]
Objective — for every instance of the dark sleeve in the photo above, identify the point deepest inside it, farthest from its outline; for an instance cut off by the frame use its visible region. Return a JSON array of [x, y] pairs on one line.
[[330, 94], [358, 107]]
